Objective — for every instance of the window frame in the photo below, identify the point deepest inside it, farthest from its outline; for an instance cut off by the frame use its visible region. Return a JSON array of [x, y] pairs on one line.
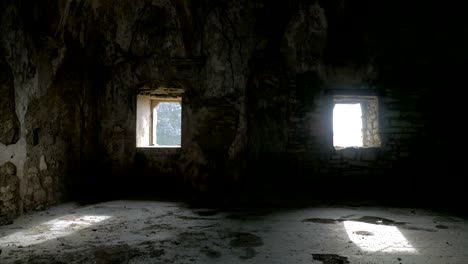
[[146, 121]]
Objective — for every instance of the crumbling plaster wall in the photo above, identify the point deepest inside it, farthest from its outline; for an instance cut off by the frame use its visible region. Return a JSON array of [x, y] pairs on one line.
[[18, 63], [52, 101], [259, 78]]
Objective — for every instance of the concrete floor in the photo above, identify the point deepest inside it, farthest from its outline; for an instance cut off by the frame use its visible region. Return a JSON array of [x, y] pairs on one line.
[[170, 232]]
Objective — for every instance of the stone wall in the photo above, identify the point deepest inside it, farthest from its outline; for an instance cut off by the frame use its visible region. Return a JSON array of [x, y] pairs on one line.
[[371, 132], [9, 193], [279, 86], [258, 80], [10, 129]]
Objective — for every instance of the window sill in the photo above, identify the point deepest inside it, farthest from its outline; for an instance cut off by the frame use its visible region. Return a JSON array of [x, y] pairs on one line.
[[161, 147], [356, 147], [159, 151]]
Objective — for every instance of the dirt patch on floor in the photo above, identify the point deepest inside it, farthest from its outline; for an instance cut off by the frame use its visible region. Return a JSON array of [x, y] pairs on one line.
[[245, 240], [191, 239], [418, 228], [183, 217], [330, 259], [159, 227], [364, 233], [206, 212], [211, 253], [321, 220], [117, 255], [249, 253]]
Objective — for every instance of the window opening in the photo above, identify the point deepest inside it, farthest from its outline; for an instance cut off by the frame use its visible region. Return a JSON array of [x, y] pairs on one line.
[[159, 121], [355, 122]]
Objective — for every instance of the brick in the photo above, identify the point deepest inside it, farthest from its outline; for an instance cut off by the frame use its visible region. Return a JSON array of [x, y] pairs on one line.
[[349, 153], [369, 154]]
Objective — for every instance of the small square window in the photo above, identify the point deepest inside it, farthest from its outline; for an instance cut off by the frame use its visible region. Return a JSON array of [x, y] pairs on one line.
[[355, 122], [159, 122], [347, 125]]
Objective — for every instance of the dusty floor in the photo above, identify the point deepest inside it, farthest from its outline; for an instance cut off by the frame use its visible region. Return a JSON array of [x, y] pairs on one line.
[[169, 232]]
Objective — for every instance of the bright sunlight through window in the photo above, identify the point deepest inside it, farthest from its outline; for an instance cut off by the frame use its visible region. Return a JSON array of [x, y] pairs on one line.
[[377, 238], [52, 229], [347, 125]]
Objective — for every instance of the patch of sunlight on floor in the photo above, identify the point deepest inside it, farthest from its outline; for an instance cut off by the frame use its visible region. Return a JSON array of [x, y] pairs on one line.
[[53, 229], [377, 238], [347, 125]]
